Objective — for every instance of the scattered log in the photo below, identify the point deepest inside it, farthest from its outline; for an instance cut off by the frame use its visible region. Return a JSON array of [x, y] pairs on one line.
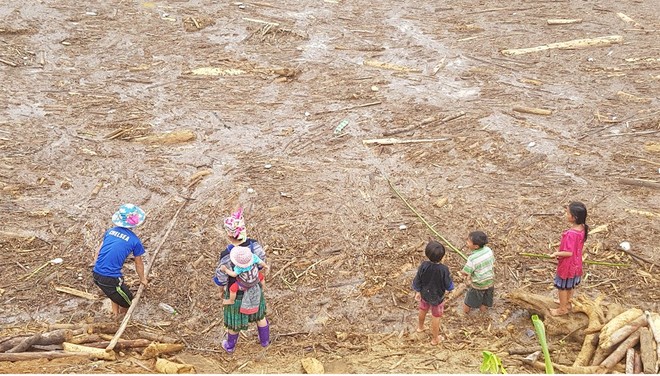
[[563, 21], [593, 311], [640, 183], [91, 352], [624, 332], [637, 368], [540, 304], [617, 323], [647, 350], [74, 292], [620, 352], [121, 344], [10, 343], [531, 110], [155, 349], [85, 338], [571, 44], [588, 350], [48, 338], [16, 357], [165, 366], [157, 337], [654, 326]]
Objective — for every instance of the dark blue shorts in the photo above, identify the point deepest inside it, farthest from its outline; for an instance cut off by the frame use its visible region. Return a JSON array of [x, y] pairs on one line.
[[114, 288]]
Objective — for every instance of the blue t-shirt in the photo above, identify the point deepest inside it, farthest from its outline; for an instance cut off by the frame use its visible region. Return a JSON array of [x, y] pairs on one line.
[[118, 243]]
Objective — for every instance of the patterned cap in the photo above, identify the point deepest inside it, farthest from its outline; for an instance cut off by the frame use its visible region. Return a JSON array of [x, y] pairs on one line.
[[128, 216], [235, 225], [241, 256]]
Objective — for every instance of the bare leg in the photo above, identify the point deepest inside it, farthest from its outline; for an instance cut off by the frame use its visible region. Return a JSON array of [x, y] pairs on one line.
[[466, 308], [435, 330], [483, 308], [420, 320], [564, 296], [231, 300]]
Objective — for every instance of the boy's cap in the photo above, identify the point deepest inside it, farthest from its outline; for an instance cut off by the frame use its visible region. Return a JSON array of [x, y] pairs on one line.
[[128, 216], [241, 256]]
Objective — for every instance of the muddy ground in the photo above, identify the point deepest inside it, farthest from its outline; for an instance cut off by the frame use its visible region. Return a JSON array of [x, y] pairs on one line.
[[184, 104]]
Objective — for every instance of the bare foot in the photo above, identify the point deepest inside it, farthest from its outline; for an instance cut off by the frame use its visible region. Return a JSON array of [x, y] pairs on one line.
[[420, 330], [570, 305], [558, 311]]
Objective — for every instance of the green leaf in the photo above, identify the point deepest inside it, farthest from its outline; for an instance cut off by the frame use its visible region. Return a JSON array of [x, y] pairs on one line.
[[491, 363], [540, 334]]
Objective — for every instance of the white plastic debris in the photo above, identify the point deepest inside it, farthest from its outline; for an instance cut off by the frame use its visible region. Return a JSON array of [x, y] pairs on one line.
[[625, 246], [250, 190], [531, 144], [267, 166], [403, 227], [56, 261]]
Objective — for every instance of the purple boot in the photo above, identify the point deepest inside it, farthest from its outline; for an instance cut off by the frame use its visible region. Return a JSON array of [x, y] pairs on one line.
[[229, 344], [264, 334]]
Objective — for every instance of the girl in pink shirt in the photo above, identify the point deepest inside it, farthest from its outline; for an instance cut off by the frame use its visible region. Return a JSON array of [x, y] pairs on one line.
[[569, 267]]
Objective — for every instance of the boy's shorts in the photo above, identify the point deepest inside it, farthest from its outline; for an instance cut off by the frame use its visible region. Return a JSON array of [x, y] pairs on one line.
[[436, 310], [114, 288], [476, 298]]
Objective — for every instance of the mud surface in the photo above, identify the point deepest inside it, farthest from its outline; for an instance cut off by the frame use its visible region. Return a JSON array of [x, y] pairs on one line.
[[201, 107]]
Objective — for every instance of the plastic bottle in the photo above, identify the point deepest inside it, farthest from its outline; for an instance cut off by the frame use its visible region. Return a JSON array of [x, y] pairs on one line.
[[167, 308]]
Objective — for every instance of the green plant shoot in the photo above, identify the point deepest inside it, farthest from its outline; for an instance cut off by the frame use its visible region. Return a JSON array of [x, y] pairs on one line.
[[491, 364], [540, 334]]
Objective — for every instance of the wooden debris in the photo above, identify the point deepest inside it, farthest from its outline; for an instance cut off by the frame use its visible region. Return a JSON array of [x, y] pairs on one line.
[[155, 349], [92, 352], [620, 352], [424, 122], [78, 293], [11, 64], [121, 344], [169, 138], [647, 350], [654, 326], [563, 21], [571, 44], [640, 183], [97, 188], [586, 370], [388, 66], [617, 323], [531, 110], [16, 357], [165, 366], [49, 338], [393, 141], [587, 351], [312, 366], [624, 332], [157, 337], [261, 21], [627, 97], [629, 20], [630, 361]]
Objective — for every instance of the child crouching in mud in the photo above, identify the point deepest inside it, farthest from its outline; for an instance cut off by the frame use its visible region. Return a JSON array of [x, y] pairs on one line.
[[430, 283]]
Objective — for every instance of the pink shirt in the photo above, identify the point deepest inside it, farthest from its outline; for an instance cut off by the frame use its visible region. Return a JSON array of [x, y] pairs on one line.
[[571, 266]]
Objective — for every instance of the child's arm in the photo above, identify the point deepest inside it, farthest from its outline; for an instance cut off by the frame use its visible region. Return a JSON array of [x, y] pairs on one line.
[[228, 271], [263, 264], [562, 254]]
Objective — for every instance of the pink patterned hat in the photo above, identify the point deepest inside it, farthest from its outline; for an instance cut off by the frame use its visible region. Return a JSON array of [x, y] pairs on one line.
[[241, 256]]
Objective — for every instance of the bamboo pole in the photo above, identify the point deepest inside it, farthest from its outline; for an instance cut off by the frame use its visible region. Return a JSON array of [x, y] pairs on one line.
[[138, 295], [602, 263], [425, 222]]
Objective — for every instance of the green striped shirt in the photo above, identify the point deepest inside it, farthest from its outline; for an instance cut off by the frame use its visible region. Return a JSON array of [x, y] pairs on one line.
[[479, 267]]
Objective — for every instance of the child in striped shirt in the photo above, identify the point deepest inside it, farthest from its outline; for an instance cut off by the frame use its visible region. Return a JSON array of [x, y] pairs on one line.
[[479, 272]]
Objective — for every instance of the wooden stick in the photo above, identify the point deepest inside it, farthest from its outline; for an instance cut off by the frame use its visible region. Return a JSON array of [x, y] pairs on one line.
[[629, 252], [571, 44], [630, 361], [535, 111], [261, 21], [155, 349], [92, 352], [157, 337], [620, 352], [396, 141], [640, 183], [424, 122], [586, 352], [624, 332], [127, 317], [629, 20], [121, 344], [75, 292], [563, 21], [48, 338], [388, 66], [11, 64]]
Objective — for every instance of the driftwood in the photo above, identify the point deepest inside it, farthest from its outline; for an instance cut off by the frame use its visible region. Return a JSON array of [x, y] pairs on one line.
[[647, 351], [620, 352], [16, 357], [654, 326], [121, 344], [637, 367], [157, 337], [107, 328], [165, 366], [571, 44], [531, 110], [640, 183], [78, 293], [155, 349], [587, 351], [85, 338], [593, 311], [617, 323], [630, 361], [570, 369], [624, 332], [48, 338], [541, 305], [91, 352], [563, 21]]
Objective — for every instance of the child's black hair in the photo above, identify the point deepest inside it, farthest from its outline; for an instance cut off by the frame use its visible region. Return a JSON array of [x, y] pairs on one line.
[[579, 211], [478, 238], [435, 251]]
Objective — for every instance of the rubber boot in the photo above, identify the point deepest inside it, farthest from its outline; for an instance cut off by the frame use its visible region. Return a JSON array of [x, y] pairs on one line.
[[229, 344], [264, 334]]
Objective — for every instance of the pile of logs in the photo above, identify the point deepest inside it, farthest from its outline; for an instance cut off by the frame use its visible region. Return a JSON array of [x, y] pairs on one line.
[[621, 341], [632, 337], [89, 341]]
